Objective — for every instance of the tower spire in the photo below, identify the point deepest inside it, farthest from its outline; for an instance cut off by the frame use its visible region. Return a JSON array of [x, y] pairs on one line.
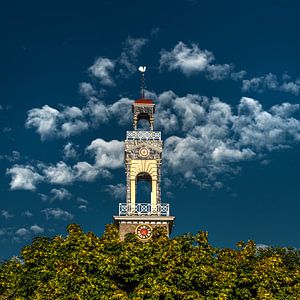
[[142, 69]]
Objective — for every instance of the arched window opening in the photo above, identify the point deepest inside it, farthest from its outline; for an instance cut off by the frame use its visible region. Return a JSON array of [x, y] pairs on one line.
[[143, 188], [143, 122]]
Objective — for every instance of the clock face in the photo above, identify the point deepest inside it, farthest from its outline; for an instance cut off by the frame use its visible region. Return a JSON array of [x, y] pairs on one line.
[[144, 231], [144, 152]]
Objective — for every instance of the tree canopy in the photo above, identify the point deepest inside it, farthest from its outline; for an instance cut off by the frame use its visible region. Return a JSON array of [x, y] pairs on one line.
[[84, 266]]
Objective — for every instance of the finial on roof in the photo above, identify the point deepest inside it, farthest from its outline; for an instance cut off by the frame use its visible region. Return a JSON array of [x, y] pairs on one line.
[[142, 69]]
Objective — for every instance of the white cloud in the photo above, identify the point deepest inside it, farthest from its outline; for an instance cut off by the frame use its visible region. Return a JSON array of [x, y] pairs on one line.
[[262, 246], [13, 157], [193, 60], [27, 213], [72, 120], [6, 214], [267, 81], [128, 58], [117, 191], [57, 213], [22, 232], [60, 194], [87, 172], [218, 72], [63, 174], [222, 153], [284, 110], [23, 177], [210, 139], [49, 122], [291, 87], [60, 173], [44, 120], [96, 111], [123, 66], [238, 75], [82, 201], [36, 229], [43, 197], [102, 69], [69, 151], [188, 60], [87, 89], [82, 207], [271, 82], [120, 111], [73, 128], [108, 154]]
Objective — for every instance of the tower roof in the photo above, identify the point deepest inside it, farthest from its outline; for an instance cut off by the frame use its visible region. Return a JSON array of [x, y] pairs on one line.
[[143, 101]]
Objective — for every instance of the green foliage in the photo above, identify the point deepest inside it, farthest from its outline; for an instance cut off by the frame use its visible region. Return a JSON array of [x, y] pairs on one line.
[[84, 266]]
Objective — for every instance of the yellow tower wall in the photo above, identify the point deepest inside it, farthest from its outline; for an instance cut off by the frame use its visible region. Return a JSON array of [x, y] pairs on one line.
[[143, 166]]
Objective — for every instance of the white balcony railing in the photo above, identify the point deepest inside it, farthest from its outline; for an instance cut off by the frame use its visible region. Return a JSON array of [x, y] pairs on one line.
[[144, 209], [143, 135]]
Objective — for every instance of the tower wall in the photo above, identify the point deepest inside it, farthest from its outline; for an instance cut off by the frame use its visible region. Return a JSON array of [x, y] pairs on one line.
[[143, 157]]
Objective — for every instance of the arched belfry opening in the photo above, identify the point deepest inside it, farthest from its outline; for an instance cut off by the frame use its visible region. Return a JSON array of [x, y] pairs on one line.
[[143, 188], [143, 209], [143, 122]]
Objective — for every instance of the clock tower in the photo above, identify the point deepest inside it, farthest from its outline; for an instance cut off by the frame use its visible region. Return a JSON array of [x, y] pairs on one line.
[[143, 158]]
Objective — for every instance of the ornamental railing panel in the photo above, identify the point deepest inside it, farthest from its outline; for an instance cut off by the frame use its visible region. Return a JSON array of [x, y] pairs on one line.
[[143, 135], [144, 209]]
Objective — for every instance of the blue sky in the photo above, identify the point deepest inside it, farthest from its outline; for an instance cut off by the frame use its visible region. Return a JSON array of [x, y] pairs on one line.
[[225, 79]]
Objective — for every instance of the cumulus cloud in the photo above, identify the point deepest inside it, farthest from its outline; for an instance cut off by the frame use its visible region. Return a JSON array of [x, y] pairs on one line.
[[60, 194], [22, 232], [188, 60], [117, 191], [107, 155], [128, 58], [50, 122], [120, 111], [69, 121], [271, 82], [87, 89], [23, 177], [36, 229], [7, 215], [57, 213], [13, 157], [61, 173], [193, 60], [105, 69], [27, 213], [101, 69], [209, 137], [64, 174], [69, 151]]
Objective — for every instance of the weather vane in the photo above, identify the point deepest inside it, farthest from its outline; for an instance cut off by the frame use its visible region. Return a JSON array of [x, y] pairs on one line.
[[142, 69]]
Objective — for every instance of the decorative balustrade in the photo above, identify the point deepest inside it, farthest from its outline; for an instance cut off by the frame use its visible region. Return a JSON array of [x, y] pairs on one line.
[[144, 209], [143, 135]]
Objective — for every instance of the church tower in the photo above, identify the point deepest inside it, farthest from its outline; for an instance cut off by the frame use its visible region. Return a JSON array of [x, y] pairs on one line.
[[143, 158]]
